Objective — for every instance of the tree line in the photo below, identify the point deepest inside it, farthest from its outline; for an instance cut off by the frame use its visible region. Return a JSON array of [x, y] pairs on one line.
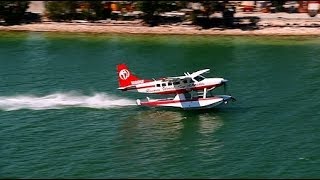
[[12, 12]]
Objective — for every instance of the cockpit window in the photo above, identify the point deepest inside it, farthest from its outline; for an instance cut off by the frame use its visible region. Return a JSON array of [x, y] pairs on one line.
[[199, 78]]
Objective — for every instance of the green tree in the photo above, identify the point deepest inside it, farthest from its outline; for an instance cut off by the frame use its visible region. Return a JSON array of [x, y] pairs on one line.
[[152, 9], [97, 10], [278, 5], [61, 10], [209, 7], [66, 10], [13, 11], [166, 6], [149, 9]]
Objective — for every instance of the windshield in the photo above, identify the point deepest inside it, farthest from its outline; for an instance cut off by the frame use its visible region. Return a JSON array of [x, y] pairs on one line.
[[199, 78]]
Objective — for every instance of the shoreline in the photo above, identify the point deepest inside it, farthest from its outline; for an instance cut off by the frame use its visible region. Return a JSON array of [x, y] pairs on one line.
[[278, 24], [161, 30], [171, 30]]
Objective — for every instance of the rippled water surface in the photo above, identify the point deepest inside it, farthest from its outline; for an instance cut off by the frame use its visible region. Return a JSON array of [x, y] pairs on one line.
[[61, 115]]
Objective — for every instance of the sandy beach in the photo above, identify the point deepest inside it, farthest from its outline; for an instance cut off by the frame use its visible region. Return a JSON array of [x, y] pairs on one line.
[[270, 24]]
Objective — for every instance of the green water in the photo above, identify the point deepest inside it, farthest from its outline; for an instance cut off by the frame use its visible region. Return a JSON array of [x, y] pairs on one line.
[[61, 115]]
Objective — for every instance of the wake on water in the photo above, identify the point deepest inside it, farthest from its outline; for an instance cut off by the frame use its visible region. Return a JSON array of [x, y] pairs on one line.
[[63, 100]]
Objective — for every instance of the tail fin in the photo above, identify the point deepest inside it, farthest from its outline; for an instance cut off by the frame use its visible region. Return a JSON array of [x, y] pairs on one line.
[[125, 77]]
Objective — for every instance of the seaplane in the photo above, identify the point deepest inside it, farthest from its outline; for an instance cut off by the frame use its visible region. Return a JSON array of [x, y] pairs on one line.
[[192, 91]]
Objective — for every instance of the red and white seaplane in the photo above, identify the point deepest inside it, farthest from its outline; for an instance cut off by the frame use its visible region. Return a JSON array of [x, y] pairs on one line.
[[193, 91]]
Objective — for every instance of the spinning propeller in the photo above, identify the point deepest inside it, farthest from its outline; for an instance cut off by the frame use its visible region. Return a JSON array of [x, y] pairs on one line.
[[225, 88], [224, 82]]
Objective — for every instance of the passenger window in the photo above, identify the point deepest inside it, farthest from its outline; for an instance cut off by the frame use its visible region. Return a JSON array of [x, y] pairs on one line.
[[164, 84], [158, 85], [170, 84]]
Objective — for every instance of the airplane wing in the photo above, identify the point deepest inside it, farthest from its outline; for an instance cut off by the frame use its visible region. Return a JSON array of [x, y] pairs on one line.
[[197, 73], [175, 78], [187, 75], [178, 78]]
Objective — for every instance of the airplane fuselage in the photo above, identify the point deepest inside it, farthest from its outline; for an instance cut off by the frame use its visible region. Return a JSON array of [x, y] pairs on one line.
[[176, 87]]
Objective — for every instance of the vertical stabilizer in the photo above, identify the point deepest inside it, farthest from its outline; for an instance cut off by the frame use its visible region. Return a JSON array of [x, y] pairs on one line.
[[125, 77]]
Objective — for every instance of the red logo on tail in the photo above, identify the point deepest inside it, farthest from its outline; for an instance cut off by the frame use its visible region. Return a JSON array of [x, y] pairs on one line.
[[125, 77], [124, 74]]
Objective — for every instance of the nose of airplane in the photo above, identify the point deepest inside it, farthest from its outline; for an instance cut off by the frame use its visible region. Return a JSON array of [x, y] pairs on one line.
[[224, 81]]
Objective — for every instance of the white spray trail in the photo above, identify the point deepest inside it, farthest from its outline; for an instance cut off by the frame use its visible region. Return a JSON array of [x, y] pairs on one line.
[[63, 100]]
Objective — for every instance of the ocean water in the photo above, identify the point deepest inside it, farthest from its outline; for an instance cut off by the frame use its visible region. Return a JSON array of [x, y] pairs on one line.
[[61, 115]]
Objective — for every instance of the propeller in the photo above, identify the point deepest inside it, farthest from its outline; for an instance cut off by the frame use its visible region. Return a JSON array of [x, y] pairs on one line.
[[224, 82], [225, 89]]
